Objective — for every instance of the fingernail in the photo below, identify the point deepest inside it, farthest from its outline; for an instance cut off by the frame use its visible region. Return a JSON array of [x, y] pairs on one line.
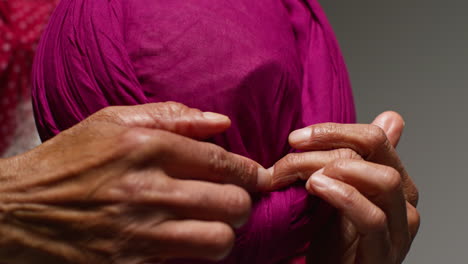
[[318, 181], [263, 179], [215, 117], [385, 124], [300, 135]]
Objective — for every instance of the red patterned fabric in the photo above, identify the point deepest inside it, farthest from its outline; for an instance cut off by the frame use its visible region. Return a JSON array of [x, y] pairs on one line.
[[21, 23]]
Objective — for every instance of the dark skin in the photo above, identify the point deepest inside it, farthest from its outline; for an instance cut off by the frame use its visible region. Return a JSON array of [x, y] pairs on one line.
[[134, 184], [356, 170], [127, 185]]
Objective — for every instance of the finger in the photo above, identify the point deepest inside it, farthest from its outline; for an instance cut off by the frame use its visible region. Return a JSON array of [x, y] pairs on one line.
[[212, 202], [185, 158], [349, 201], [392, 123], [170, 116], [414, 220], [370, 221], [369, 141], [178, 239], [186, 199], [381, 185], [299, 166]]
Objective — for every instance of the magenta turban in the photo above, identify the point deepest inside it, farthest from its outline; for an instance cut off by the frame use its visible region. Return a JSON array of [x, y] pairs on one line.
[[272, 66]]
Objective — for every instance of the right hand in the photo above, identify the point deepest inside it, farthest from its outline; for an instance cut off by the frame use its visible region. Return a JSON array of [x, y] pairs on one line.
[[127, 185]]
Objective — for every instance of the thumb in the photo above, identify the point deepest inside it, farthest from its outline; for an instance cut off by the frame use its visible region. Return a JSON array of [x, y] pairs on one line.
[[392, 123], [170, 116]]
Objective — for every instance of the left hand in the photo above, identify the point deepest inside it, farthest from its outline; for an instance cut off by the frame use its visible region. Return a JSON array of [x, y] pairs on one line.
[[374, 196], [116, 188]]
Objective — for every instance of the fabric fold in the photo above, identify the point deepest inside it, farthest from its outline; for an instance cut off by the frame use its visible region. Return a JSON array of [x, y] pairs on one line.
[[272, 66]]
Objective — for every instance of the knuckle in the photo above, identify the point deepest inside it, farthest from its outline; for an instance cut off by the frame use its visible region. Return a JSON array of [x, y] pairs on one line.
[[221, 240], [291, 159], [138, 138], [247, 172], [229, 168], [174, 106], [337, 165], [289, 168], [218, 160], [323, 130], [377, 221], [135, 135], [391, 180], [376, 136], [346, 153], [156, 188], [330, 127], [167, 110], [174, 109], [132, 139], [349, 197]]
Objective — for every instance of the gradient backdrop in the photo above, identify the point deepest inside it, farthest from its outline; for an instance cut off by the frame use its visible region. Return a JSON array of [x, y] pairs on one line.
[[412, 56]]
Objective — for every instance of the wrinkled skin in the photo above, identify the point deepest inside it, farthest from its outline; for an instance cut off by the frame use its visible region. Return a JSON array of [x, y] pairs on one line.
[[356, 170], [124, 187], [132, 185]]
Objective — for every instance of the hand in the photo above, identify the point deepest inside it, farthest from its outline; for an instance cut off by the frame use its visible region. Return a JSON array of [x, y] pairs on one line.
[[371, 142], [116, 188], [375, 223]]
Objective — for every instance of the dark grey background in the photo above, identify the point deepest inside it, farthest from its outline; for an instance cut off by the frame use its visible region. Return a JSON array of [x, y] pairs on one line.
[[412, 56]]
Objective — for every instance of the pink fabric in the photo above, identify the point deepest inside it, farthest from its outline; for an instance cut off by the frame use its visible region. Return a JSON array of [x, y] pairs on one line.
[[272, 66]]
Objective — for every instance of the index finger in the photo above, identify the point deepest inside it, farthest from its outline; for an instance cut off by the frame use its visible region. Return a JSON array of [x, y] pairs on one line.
[[185, 158], [369, 141]]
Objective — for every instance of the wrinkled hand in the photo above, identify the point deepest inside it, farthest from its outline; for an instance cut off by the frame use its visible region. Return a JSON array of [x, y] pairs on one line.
[[357, 171], [116, 188]]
